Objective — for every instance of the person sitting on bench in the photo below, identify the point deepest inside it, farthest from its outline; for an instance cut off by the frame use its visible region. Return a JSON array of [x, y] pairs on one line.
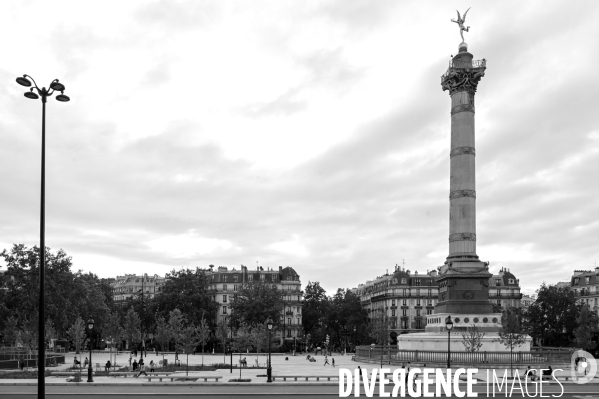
[[107, 366]]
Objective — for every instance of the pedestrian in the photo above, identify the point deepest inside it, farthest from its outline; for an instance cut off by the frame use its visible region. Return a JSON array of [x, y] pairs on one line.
[[107, 366], [142, 369], [333, 361], [130, 357], [22, 362], [155, 351], [152, 366], [134, 365], [326, 360], [359, 371], [75, 362], [85, 362]]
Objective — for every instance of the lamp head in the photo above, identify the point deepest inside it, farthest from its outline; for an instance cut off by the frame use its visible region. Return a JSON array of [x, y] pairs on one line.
[[31, 95], [269, 323], [62, 98], [23, 81], [90, 324], [448, 323], [57, 86]]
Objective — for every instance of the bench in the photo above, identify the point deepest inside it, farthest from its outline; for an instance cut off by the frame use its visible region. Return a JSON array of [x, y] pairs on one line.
[[122, 373], [295, 377], [65, 373], [193, 377], [160, 376]]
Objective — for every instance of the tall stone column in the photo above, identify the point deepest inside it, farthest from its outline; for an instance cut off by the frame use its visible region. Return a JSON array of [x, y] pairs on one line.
[[461, 80]]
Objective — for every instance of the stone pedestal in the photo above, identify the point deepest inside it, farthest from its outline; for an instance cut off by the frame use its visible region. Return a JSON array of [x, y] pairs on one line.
[[431, 341]]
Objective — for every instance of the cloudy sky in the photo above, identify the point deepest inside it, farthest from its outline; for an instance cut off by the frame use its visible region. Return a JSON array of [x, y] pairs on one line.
[[311, 134]]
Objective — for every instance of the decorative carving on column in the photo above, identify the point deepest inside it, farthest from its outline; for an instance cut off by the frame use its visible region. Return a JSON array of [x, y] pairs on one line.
[[459, 79], [462, 151], [462, 193], [462, 108], [462, 237], [468, 295]]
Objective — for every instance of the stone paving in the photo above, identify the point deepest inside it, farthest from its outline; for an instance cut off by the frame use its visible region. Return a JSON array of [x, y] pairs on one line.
[[296, 365]]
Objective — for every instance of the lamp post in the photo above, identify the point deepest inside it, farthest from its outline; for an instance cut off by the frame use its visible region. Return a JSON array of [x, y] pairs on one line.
[[90, 326], [269, 369], [355, 342], [448, 326], [44, 93]]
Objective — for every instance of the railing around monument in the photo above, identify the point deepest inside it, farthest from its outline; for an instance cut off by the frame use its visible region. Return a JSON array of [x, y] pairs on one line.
[[391, 355]]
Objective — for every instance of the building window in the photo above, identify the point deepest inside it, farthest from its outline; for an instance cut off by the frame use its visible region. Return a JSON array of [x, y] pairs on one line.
[[429, 311], [250, 278], [225, 278], [576, 280], [224, 287], [587, 279], [510, 281], [235, 277], [224, 298], [429, 302], [418, 324], [404, 312], [235, 288], [418, 302], [404, 324], [224, 310], [262, 277], [430, 292], [417, 282], [417, 312], [404, 302], [289, 321], [274, 277], [393, 302], [393, 312], [403, 281], [497, 282], [289, 333], [298, 321], [499, 302]]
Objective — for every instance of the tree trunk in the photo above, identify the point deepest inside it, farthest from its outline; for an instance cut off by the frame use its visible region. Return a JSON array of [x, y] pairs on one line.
[[187, 365]]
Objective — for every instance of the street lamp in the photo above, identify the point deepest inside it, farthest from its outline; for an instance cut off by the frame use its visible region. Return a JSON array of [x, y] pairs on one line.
[[44, 94], [90, 326], [448, 326], [269, 369]]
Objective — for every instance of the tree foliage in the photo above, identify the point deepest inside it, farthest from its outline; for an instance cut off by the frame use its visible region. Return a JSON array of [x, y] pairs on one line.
[[511, 334], [77, 333], [472, 339], [131, 327], [587, 323], [552, 317], [186, 290], [256, 302]]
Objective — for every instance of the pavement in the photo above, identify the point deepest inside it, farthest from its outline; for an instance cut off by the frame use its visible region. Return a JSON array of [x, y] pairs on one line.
[[295, 365]]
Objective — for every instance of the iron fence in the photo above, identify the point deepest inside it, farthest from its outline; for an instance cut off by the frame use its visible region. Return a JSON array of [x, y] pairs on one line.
[[390, 354]]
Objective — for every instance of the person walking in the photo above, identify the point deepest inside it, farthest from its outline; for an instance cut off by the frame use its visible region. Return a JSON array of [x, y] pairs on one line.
[[142, 369], [326, 360], [333, 361], [134, 365], [85, 362]]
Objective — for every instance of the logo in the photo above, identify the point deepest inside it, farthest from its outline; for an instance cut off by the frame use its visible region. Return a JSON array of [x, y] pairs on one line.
[[583, 367]]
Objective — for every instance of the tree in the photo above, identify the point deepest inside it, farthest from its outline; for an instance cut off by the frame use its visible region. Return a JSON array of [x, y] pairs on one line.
[[186, 341], [257, 301], [176, 324], [163, 334], [511, 334], [222, 331], [203, 333], [131, 326], [113, 332], [186, 290], [315, 308], [472, 339], [587, 323], [68, 294], [552, 317], [29, 333], [49, 330], [77, 333], [10, 332]]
